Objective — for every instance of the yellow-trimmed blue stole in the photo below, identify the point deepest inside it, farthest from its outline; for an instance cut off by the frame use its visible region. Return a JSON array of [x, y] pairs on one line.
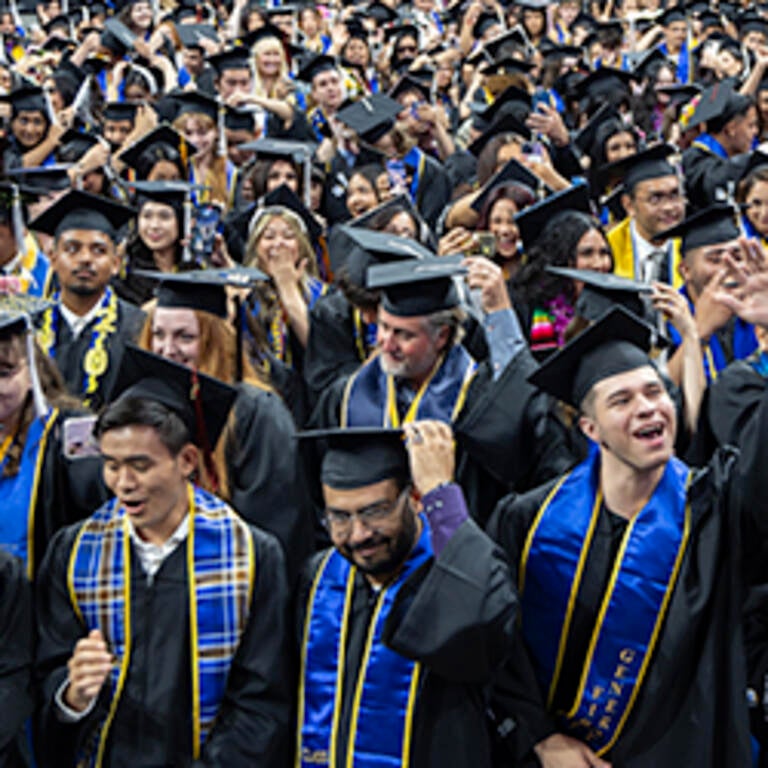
[[220, 575], [381, 720], [370, 397], [632, 610]]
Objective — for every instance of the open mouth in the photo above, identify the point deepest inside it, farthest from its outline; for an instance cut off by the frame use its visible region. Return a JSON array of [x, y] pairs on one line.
[[133, 507], [650, 433]]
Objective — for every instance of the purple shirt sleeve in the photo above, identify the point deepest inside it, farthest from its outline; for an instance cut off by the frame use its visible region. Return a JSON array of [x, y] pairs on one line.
[[446, 510]]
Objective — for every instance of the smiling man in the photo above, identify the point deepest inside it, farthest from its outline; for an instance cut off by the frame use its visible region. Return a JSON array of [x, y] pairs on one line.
[[632, 571], [88, 325], [162, 616], [405, 557]]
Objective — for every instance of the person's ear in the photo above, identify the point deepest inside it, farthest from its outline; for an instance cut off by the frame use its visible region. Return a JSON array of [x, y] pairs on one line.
[[628, 205], [188, 459], [589, 427]]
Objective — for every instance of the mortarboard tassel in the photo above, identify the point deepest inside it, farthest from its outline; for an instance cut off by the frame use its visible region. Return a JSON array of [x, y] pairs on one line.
[[222, 132], [187, 253], [17, 218], [41, 404]]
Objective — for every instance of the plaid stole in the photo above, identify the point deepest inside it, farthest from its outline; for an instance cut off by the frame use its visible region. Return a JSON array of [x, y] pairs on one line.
[[220, 574]]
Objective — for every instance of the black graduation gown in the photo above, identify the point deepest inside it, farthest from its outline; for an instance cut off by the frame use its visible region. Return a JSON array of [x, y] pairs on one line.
[[454, 615], [70, 351], [508, 436], [692, 708], [15, 661], [263, 473], [434, 191], [707, 177], [152, 725]]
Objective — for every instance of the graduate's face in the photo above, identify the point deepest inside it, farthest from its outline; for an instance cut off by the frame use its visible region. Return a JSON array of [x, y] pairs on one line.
[[632, 418], [116, 131], [150, 483], [327, 89], [176, 335], [361, 195], [282, 172], [377, 549], [757, 207], [84, 260], [701, 265], [158, 226], [29, 128], [656, 205], [501, 223], [409, 347], [15, 381]]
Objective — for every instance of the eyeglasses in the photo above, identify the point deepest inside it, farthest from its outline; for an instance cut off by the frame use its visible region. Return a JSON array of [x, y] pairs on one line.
[[340, 522], [658, 198]]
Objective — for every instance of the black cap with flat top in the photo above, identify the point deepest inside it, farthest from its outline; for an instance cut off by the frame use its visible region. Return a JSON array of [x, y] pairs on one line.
[[191, 35], [315, 66], [143, 154], [533, 219], [354, 457], [416, 287], [235, 58], [512, 172], [195, 102], [42, 179], [191, 396], [718, 104], [371, 117], [280, 149], [393, 204], [617, 343], [284, 196], [121, 110], [82, 210], [505, 124], [651, 163], [27, 98], [711, 226]]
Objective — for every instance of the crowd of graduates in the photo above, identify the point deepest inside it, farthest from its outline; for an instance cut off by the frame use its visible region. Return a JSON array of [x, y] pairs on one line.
[[383, 383]]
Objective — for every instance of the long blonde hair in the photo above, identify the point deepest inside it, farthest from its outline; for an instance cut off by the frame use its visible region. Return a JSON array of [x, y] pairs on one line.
[[217, 358], [262, 45], [216, 175]]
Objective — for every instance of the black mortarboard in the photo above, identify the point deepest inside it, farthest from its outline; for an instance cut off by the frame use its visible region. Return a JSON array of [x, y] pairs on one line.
[[28, 98], [266, 32], [15, 308], [513, 38], [484, 22], [354, 457], [173, 193], [143, 154], [196, 102], [281, 10], [235, 58], [650, 163], [563, 52], [533, 219], [710, 20], [756, 159], [512, 172], [603, 291], [201, 289], [671, 15], [190, 35], [298, 151], [603, 81], [533, 5], [316, 65], [618, 342], [370, 117], [145, 376], [121, 110], [646, 62], [57, 22], [507, 66], [284, 196], [416, 287], [82, 210], [679, 93], [74, 144], [239, 119], [511, 101], [718, 104], [365, 247], [43, 178], [395, 203], [751, 22], [585, 137], [116, 36], [408, 83], [506, 124], [711, 226], [401, 30], [59, 44], [380, 13]]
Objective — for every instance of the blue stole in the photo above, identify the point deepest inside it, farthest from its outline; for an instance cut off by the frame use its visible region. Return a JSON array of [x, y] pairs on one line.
[[633, 608], [743, 339], [683, 71], [415, 161], [370, 397], [19, 493], [221, 575], [319, 123], [759, 363], [709, 144], [386, 683]]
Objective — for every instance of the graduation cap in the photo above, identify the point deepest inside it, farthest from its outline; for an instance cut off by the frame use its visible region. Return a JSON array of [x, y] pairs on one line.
[[281, 10], [604, 81], [506, 66], [401, 30], [650, 163], [586, 136], [679, 93], [513, 39], [534, 218], [381, 13], [144, 153], [512, 172], [563, 52], [62, 21], [121, 110], [756, 159], [116, 36], [671, 15], [266, 32], [617, 343], [196, 102], [401, 202], [173, 193], [191, 35], [145, 376], [43, 179], [280, 149], [710, 20], [285, 197], [602, 291], [712, 226], [485, 21], [239, 119], [82, 210], [367, 247], [28, 98], [646, 62], [74, 144], [201, 289], [316, 66], [505, 124], [235, 58], [416, 287], [751, 22], [512, 100], [407, 84], [370, 117], [58, 44], [354, 457], [718, 104]]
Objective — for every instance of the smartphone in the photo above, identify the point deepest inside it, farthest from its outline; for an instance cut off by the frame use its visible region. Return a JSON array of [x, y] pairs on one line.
[[533, 151], [207, 220], [79, 441]]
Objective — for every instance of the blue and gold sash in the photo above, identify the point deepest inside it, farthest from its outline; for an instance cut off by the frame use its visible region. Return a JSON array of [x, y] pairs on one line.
[[710, 145], [386, 685], [220, 575], [370, 397], [633, 608]]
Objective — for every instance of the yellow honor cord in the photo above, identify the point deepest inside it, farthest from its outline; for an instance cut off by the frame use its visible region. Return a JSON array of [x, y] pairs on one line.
[[193, 631]]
